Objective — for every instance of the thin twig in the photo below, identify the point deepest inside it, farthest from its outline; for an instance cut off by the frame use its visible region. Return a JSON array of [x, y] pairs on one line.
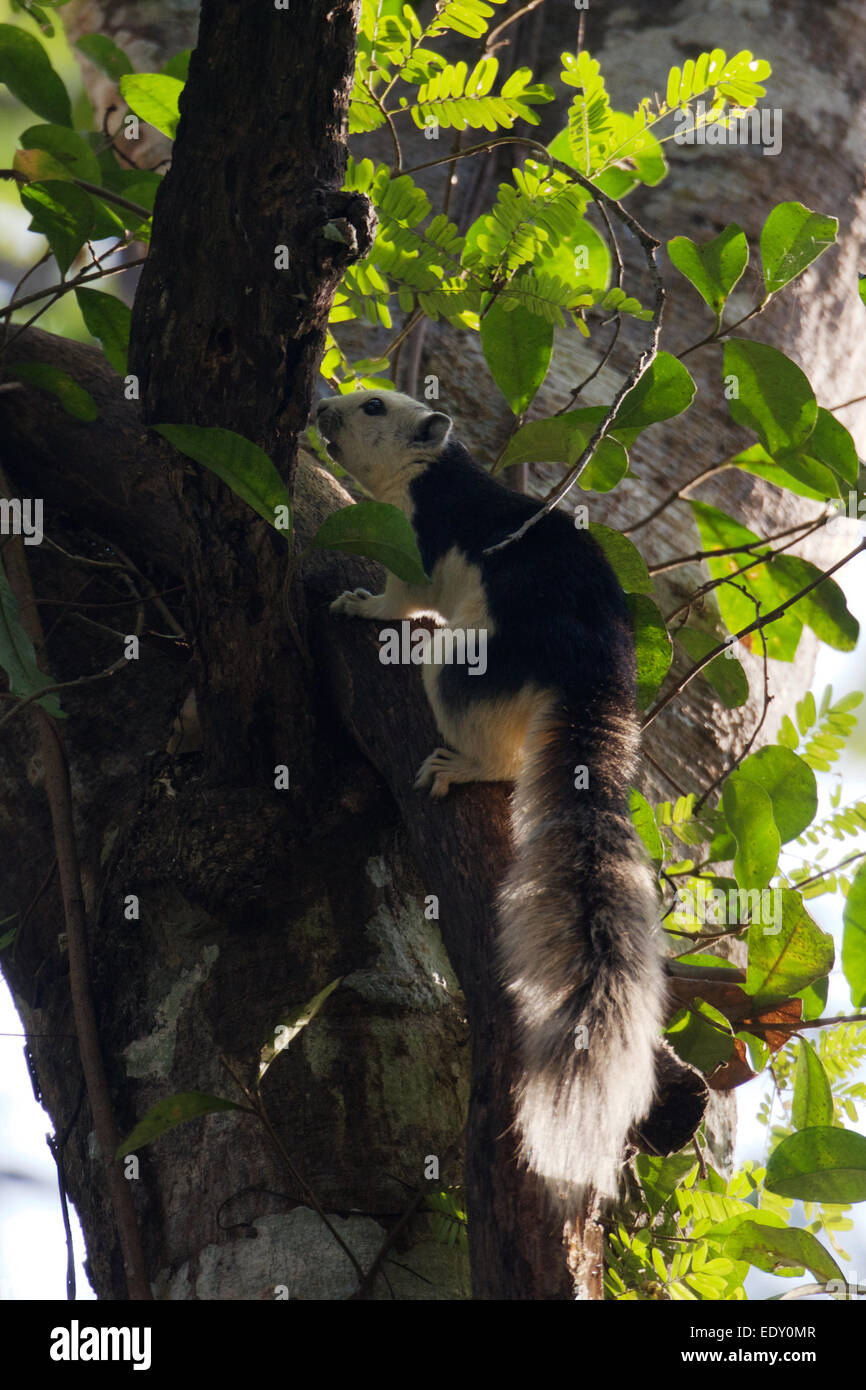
[[22, 701], [754, 564], [722, 332], [81, 279], [816, 878], [697, 555], [518, 14], [855, 400], [744, 632], [105, 193], [679, 493]]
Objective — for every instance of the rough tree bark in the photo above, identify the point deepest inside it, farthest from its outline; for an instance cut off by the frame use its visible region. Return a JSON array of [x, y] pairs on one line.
[[252, 899]]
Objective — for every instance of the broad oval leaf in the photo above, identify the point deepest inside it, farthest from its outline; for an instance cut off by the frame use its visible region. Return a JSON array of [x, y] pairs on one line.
[[153, 97], [813, 1100], [108, 319], [793, 237], [26, 69], [607, 466], [773, 396], [725, 674], [790, 784], [794, 469], [17, 656], [720, 531], [562, 439], [517, 348], [105, 54], [624, 559], [701, 1036], [653, 649], [785, 957], [819, 1165], [831, 443], [824, 609], [749, 813], [774, 1248], [291, 1024], [240, 463], [178, 65], [377, 530], [63, 213], [645, 824], [664, 390], [713, 267], [66, 147], [174, 1110], [854, 938], [76, 401]]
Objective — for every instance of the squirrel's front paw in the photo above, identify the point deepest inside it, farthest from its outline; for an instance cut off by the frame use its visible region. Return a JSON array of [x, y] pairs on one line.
[[352, 603]]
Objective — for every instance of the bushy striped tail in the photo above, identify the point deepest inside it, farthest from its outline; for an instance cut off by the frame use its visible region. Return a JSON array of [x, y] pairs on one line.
[[578, 952]]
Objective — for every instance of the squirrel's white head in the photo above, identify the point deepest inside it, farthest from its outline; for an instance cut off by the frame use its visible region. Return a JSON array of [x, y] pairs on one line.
[[382, 438]]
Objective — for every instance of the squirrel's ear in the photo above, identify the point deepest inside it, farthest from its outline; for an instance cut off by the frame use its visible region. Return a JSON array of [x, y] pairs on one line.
[[433, 430]]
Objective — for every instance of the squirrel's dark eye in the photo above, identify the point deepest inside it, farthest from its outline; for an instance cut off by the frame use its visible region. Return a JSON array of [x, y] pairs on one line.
[[375, 406]]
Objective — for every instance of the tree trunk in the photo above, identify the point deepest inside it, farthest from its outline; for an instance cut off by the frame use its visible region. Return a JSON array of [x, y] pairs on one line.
[[250, 898]]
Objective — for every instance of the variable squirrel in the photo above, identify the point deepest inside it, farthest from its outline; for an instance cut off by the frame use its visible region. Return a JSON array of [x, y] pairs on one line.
[[554, 711]]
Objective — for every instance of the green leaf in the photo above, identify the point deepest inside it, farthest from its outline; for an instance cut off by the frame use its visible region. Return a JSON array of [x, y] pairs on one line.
[[645, 825], [240, 463], [749, 813], [108, 319], [795, 470], [38, 166], [174, 1110], [291, 1024], [788, 736], [774, 398], [714, 267], [66, 146], [701, 1036], [26, 69], [790, 784], [607, 466], [178, 65], [105, 54], [17, 656], [824, 610], [76, 401], [814, 998], [792, 238], [653, 648], [786, 957], [861, 287], [774, 1249], [562, 439], [378, 530], [719, 531], [725, 674], [832, 444], [819, 1165], [664, 390], [63, 214], [813, 1100], [153, 97], [624, 559], [467, 17], [854, 938], [517, 347]]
